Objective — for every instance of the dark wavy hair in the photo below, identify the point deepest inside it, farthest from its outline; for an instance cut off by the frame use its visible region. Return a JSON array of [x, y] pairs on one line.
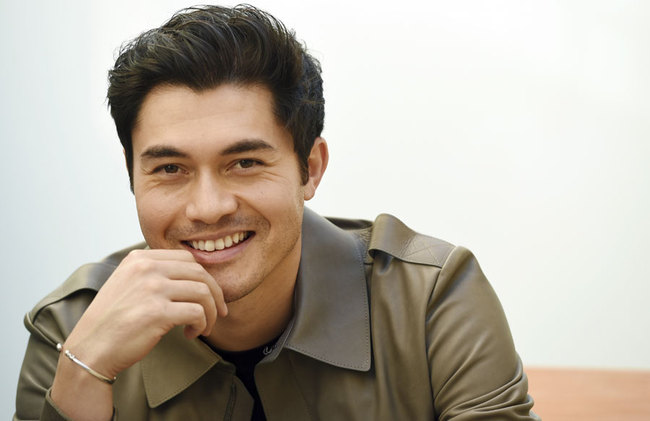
[[207, 46]]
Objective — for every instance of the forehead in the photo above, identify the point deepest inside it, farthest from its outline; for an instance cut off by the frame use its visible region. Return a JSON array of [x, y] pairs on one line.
[[179, 116]]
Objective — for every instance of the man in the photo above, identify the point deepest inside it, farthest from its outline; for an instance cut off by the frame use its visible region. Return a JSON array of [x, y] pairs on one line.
[[243, 304]]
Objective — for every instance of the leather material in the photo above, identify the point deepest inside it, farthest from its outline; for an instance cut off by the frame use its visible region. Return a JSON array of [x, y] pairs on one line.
[[389, 324]]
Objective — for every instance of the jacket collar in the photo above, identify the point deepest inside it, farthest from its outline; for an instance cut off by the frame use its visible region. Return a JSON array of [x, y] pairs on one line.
[[331, 322], [173, 365]]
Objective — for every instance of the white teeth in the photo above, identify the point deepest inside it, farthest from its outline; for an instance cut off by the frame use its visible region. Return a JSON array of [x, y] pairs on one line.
[[220, 243]]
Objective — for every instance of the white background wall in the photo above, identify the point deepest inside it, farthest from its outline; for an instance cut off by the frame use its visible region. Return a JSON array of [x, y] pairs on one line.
[[517, 128]]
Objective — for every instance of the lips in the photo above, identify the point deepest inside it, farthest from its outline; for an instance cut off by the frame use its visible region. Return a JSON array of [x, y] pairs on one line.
[[220, 243]]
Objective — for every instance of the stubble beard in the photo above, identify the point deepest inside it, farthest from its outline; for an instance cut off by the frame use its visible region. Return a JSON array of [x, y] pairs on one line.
[[239, 279]]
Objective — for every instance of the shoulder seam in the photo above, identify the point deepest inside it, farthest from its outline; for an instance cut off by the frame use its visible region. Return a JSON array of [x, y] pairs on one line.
[[72, 285], [392, 236]]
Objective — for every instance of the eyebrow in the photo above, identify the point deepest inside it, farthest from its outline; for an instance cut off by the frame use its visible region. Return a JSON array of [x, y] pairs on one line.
[[245, 145], [162, 152]]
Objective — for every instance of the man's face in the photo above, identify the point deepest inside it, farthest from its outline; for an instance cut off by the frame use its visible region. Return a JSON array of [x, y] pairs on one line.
[[215, 174]]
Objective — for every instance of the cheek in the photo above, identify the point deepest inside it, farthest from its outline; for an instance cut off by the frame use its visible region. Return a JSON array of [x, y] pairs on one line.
[[155, 214], [281, 199]]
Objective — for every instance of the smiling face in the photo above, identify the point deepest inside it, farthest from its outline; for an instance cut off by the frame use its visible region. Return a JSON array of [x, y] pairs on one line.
[[215, 174]]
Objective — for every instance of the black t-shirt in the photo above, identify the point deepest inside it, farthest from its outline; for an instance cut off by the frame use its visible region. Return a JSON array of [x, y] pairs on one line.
[[245, 362]]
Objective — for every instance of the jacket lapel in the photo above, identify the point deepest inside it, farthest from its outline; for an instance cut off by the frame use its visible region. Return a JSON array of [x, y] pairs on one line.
[[174, 364], [331, 321]]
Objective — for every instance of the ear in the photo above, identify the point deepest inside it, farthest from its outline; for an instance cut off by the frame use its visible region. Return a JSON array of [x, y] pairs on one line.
[[316, 165]]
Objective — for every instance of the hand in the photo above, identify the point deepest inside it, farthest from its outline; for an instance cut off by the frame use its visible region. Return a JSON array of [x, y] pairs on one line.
[[149, 293]]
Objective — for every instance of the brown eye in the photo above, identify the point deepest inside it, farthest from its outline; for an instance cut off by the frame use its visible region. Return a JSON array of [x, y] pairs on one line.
[[246, 163], [170, 169]]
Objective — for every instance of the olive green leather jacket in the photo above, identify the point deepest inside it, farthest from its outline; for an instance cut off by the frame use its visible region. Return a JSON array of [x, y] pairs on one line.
[[388, 325]]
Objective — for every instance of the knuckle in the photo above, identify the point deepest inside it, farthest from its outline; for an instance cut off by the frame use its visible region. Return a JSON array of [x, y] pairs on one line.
[[196, 311], [142, 265], [198, 271], [151, 286], [134, 254], [203, 289]]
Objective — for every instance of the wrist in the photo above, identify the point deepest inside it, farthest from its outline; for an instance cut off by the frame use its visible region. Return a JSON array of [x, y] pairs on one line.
[[78, 394], [99, 376]]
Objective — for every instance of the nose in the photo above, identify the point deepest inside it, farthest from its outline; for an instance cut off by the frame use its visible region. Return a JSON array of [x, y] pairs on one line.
[[209, 200]]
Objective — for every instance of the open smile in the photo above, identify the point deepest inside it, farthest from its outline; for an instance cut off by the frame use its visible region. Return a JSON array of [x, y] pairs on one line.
[[220, 243]]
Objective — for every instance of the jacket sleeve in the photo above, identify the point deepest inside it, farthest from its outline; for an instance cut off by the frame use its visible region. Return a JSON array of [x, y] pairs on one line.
[[49, 323], [36, 376], [47, 326], [474, 370]]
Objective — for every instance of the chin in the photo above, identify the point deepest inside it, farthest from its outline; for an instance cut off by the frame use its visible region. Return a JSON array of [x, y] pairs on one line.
[[234, 290]]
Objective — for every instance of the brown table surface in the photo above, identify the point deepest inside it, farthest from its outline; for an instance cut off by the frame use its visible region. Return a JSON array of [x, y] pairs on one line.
[[584, 394]]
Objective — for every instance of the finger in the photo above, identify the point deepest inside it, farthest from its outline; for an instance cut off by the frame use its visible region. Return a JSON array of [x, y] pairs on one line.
[[193, 271], [179, 265], [190, 332], [161, 254], [219, 299], [194, 292], [189, 314], [176, 269]]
